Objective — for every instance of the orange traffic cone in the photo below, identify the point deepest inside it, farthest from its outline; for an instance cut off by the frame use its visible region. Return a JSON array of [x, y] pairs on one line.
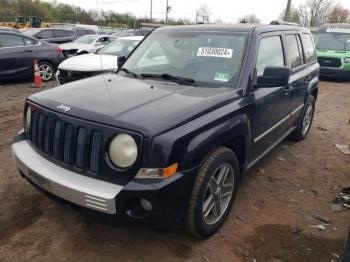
[[37, 78]]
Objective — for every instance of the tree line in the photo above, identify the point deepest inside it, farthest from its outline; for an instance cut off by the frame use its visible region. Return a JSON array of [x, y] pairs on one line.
[[311, 14], [65, 13]]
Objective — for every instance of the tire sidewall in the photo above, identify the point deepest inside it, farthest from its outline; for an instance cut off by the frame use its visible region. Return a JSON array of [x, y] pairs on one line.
[[309, 100], [201, 228]]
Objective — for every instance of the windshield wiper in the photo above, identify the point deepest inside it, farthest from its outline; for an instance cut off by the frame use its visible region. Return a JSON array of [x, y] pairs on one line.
[[127, 71], [177, 79]]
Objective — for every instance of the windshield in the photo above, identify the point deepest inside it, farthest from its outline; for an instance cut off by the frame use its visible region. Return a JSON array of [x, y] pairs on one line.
[[121, 47], [209, 58], [31, 32], [333, 41], [86, 39]]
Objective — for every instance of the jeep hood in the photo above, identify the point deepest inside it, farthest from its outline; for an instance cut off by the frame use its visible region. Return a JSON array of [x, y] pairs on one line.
[[149, 107]]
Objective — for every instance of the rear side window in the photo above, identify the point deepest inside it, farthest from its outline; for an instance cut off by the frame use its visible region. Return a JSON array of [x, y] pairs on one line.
[[85, 32], [60, 33], [270, 54], [294, 51], [45, 34], [11, 40], [28, 41], [309, 47], [70, 33]]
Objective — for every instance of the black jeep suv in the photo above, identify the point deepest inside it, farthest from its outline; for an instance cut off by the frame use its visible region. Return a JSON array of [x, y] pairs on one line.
[[171, 134]]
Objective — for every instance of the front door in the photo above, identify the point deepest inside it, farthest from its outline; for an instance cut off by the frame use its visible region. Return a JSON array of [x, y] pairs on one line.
[[272, 105]]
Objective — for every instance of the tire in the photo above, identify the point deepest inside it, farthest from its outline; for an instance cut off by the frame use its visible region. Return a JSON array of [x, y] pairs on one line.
[[203, 223], [301, 132], [47, 71]]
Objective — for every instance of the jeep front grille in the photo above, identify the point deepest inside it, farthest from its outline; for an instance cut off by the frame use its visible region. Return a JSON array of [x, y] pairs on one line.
[[329, 61], [63, 142]]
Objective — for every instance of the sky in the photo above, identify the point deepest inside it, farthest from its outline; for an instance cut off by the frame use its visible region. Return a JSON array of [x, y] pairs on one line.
[[226, 10]]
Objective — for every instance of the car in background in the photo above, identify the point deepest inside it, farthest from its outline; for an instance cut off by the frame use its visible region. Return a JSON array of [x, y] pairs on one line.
[[131, 32], [57, 35], [333, 50], [9, 29], [105, 60], [86, 44], [17, 53]]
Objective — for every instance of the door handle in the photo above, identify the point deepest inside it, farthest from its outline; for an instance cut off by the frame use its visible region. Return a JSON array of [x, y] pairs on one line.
[[28, 51]]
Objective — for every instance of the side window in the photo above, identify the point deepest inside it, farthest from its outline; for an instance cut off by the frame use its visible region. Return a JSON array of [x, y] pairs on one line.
[[309, 47], [28, 41], [60, 33], [294, 57], [11, 40], [70, 33], [45, 34], [270, 54]]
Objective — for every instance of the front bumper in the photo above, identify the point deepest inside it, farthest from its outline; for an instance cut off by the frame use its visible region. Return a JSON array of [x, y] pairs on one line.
[[334, 72], [81, 190], [169, 197]]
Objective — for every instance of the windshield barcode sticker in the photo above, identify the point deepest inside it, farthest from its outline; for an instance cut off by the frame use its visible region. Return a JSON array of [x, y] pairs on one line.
[[215, 52]]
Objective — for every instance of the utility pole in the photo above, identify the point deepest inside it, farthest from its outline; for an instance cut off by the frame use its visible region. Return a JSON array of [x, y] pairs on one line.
[[286, 15], [150, 15], [166, 12]]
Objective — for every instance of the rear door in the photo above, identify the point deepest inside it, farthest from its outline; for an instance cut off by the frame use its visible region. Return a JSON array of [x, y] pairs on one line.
[[16, 56], [304, 68], [273, 105]]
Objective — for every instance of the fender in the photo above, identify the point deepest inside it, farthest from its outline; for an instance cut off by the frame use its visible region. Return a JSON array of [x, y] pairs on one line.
[[188, 144]]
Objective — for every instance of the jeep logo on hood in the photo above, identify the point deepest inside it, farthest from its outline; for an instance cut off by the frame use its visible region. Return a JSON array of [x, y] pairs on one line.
[[63, 107]]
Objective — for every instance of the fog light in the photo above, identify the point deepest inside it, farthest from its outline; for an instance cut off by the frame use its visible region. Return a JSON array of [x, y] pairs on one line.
[[147, 205]]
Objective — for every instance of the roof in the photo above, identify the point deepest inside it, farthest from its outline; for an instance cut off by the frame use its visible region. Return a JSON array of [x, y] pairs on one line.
[[323, 28], [137, 38], [231, 27]]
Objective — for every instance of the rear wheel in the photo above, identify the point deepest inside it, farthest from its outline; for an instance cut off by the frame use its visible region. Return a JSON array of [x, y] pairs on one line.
[[213, 192], [46, 71], [305, 121]]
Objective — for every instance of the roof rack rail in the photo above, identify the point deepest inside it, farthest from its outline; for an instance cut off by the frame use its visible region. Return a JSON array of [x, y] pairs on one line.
[[281, 22]]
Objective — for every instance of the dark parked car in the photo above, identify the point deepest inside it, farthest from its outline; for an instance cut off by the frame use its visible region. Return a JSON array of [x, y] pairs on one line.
[[17, 53], [171, 134], [57, 35]]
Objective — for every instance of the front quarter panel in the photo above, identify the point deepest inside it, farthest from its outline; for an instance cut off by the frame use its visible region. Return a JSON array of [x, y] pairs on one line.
[[188, 144]]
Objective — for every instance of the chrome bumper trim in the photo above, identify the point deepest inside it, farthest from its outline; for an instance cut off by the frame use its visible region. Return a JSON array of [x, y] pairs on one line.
[[81, 190]]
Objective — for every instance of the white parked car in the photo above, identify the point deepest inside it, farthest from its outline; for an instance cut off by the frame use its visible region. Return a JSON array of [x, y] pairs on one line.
[[86, 44], [104, 60]]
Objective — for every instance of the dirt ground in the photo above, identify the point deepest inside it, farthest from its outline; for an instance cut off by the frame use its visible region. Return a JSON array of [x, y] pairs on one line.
[[270, 221]]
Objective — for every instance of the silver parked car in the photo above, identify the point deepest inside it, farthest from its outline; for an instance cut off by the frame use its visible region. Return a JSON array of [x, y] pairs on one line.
[[86, 44]]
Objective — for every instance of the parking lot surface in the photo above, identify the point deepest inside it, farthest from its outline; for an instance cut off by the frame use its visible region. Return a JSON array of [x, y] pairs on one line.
[[272, 218]]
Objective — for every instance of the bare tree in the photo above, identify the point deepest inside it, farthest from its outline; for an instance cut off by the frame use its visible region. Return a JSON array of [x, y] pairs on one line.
[[249, 19], [315, 12], [339, 14], [202, 14]]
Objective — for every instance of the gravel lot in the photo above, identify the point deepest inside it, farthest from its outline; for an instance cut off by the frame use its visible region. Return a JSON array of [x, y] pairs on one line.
[[270, 221]]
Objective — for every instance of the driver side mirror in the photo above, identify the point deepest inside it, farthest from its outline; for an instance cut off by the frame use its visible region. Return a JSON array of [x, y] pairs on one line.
[[273, 76], [121, 60]]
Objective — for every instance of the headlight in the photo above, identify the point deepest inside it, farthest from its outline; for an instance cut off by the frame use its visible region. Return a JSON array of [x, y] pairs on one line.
[[28, 118], [123, 151], [347, 59]]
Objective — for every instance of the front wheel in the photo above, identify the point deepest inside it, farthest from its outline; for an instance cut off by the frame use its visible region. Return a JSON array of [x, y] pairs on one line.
[[213, 192], [305, 120], [46, 70]]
